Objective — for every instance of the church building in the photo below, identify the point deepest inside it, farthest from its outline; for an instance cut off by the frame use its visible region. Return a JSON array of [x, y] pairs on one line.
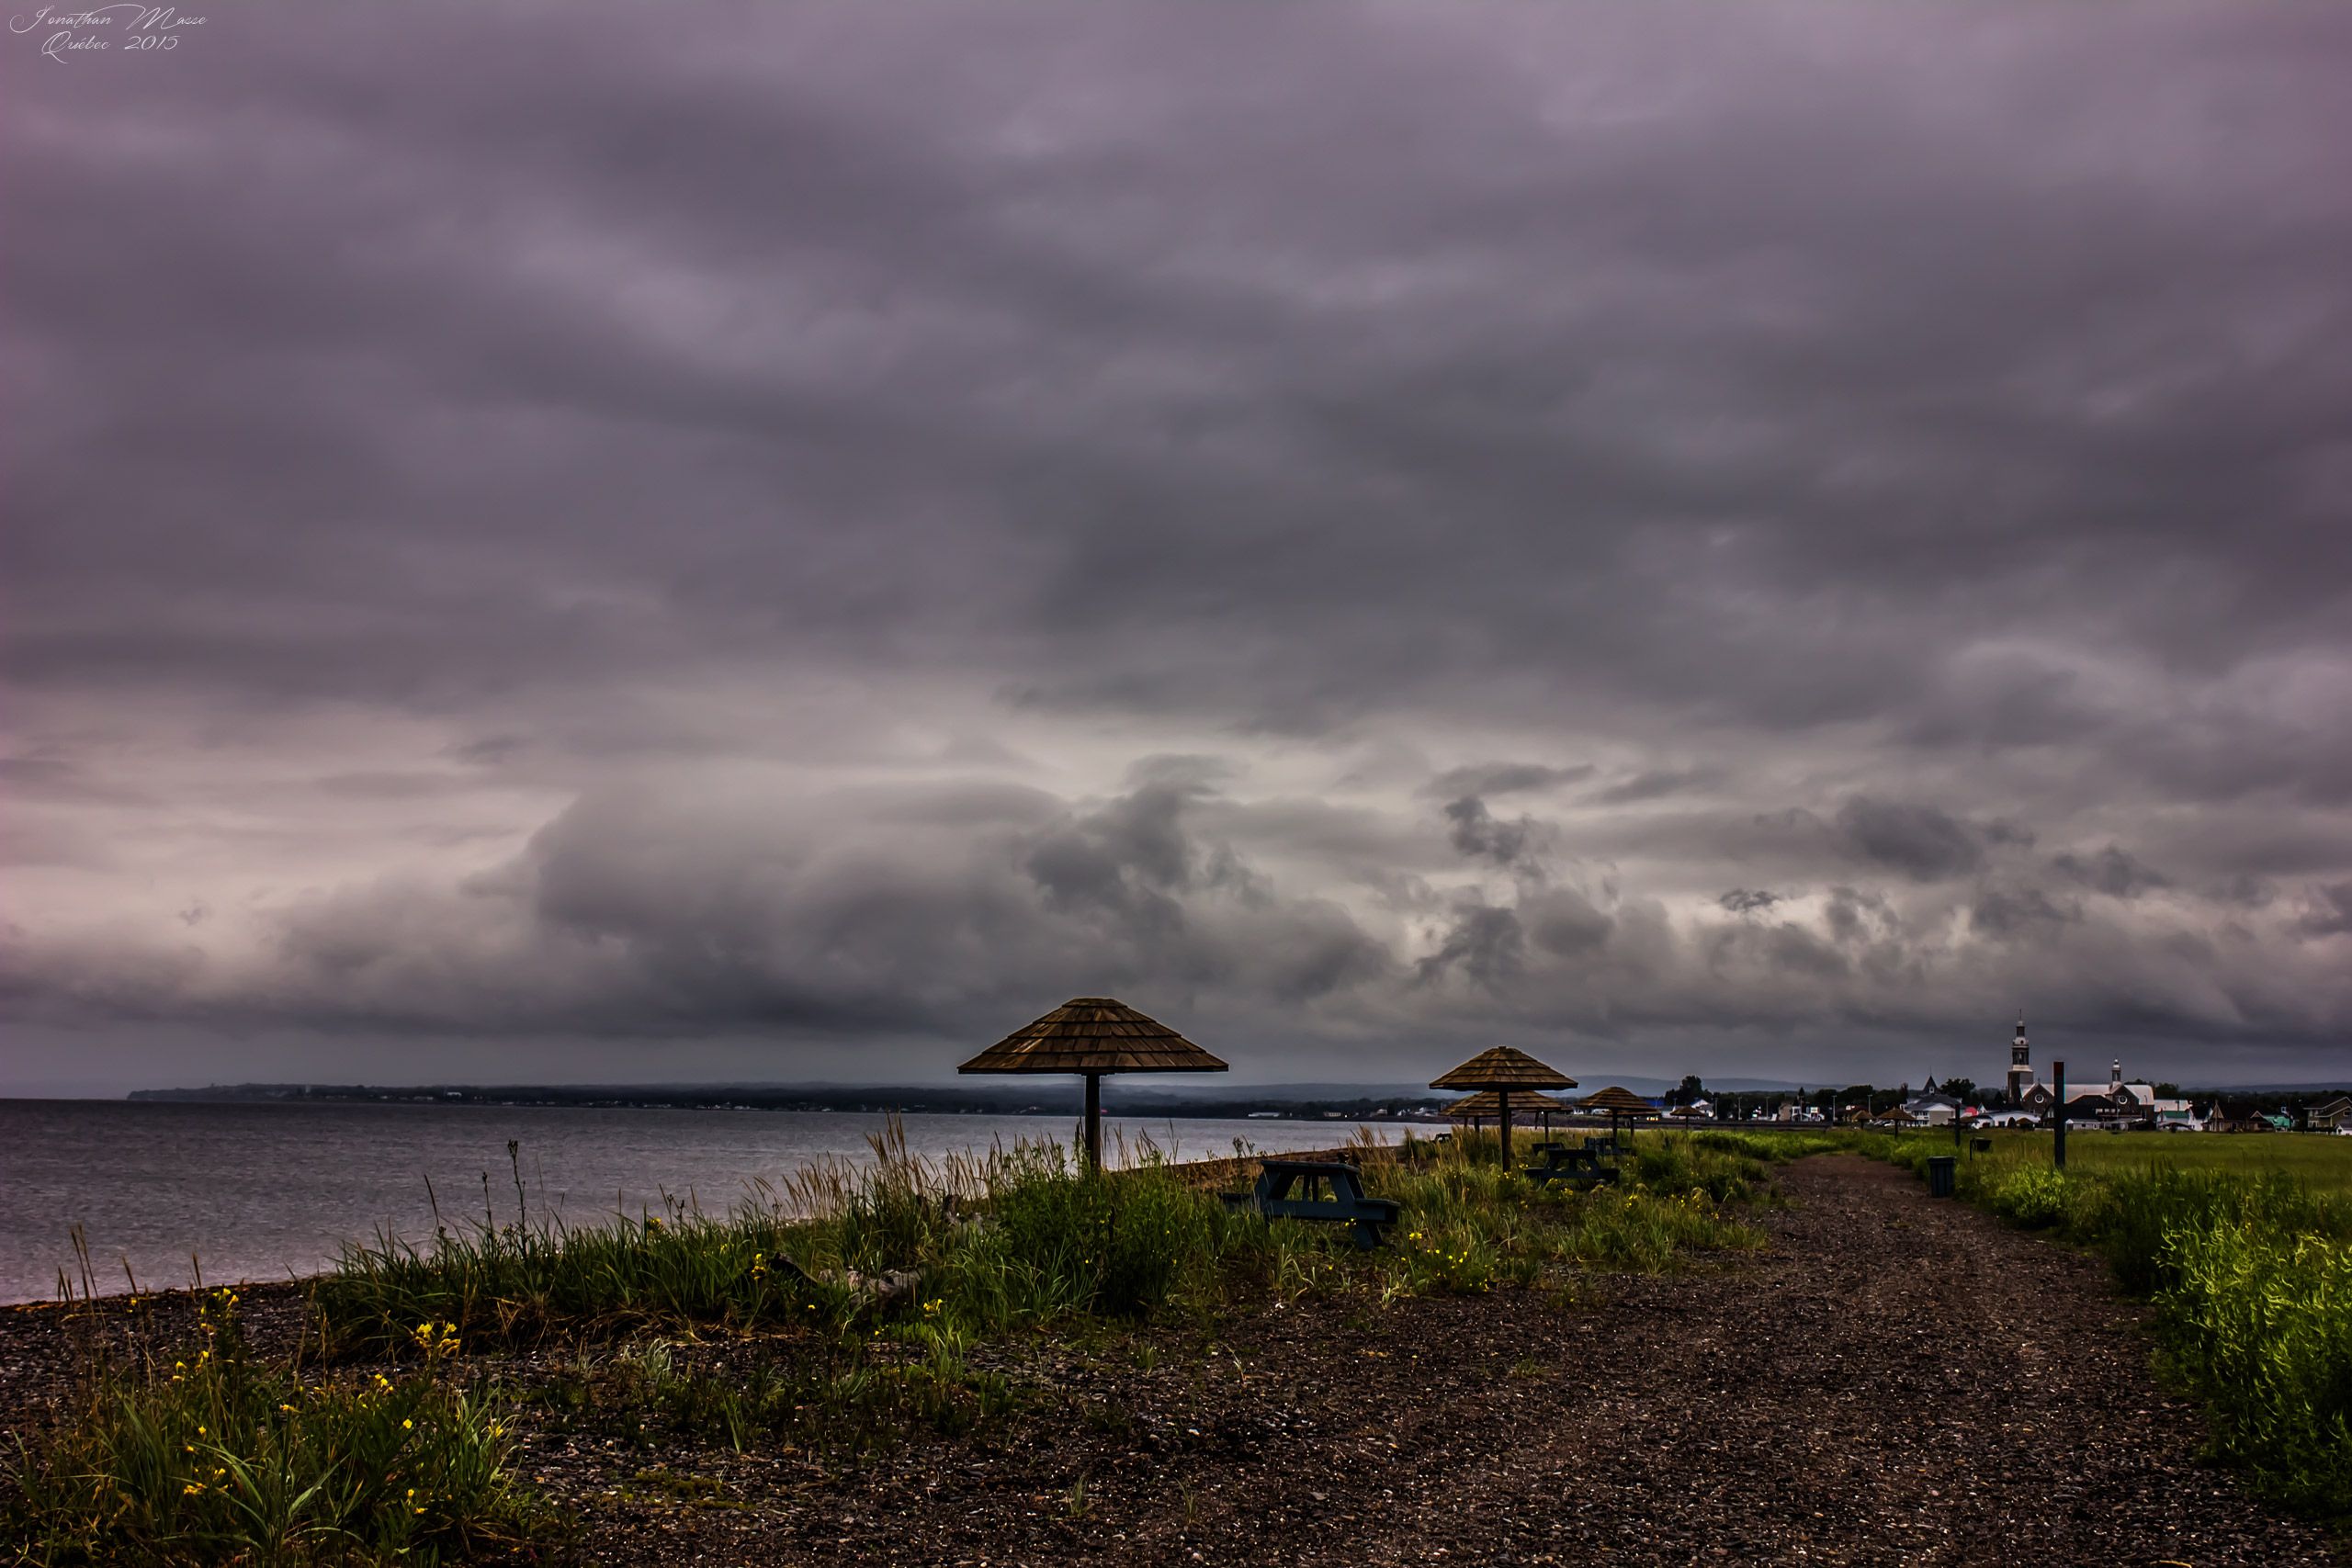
[[2118, 1102]]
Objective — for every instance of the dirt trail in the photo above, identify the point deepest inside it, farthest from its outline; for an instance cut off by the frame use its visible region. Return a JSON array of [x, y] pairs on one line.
[[1897, 1380]]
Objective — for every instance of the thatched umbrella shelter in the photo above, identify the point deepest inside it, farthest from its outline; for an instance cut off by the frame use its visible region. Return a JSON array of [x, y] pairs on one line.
[[1503, 1069], [1488, 1106], [1091, 1036], [1618, 1105]]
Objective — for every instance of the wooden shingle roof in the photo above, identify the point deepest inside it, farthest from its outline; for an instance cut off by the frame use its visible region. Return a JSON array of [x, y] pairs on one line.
[[1616, 1101], [1504, 1067], [1486, 1104], [1093, 1034]]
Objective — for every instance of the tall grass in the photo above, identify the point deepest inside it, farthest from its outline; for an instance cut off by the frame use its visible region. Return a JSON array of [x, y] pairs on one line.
[[1012, 1235], [2250, 1271], [1023, 1235], [1471, 1223]]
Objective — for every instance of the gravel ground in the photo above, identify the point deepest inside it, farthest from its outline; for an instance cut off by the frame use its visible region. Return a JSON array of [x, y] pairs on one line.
[[1895, 1381]]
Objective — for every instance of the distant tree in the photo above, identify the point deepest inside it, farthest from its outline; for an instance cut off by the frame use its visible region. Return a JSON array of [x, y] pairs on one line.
[[1857, 1094], [1961, 1090], [1691, 1088], [2167, 1091]]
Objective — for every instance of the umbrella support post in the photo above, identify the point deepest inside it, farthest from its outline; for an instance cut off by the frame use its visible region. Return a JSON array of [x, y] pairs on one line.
[[1094, 1122], [1503, 1122]]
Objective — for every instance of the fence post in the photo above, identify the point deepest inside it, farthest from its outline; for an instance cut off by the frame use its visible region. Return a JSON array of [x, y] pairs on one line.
[[2058, 1095]]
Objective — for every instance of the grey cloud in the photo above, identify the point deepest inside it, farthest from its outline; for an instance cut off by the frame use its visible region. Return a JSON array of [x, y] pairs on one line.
[[1486, 947], [1192, 773], [1935, 426], [2008, 913], [1854, 916], [1922, 842], [1744, 900], [1655, 783], [1479, 834], [2330, 913], [2112, 871], [1564, 923], [1504, 778]]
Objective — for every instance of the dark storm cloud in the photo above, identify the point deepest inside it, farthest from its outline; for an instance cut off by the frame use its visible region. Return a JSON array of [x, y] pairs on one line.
[[1504, 778], [1081, 442], [2111, 871], [2007, 913], [1484, 945], [1921, 842], [1655, 783], [2330, 913], [1477, 833]]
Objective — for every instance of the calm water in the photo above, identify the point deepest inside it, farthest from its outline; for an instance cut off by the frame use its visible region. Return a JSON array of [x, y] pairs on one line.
[[265, 1191]]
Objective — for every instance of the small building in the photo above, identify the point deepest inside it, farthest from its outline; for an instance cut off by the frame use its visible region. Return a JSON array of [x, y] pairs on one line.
[[2329, 1115], [2246, 1116], [1934, 1107]]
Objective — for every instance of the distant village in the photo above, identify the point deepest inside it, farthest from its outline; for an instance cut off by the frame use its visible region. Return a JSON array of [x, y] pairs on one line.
[[2024, 1099]]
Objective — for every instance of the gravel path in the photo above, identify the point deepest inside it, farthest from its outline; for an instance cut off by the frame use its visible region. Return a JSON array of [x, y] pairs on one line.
[[1896, 1380]]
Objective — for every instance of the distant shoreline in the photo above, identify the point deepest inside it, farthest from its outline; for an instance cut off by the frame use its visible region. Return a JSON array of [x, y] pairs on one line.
[[855, 1100]]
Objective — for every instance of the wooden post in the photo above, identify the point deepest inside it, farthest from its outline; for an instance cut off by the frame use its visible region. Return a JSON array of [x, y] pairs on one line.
[[1094, 1122], [2058, 1101], [1502, 1121]]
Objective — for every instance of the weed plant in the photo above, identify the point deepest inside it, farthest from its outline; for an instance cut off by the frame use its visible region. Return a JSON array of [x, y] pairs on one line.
[[852, 1397], [222, 1459]]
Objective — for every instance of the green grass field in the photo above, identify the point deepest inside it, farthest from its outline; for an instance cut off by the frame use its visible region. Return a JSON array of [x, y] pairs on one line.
[[2322, 1162]]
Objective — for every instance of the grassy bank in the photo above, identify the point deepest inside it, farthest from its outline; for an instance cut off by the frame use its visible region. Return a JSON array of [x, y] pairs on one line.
[[851, 1308], [2244, 1245]]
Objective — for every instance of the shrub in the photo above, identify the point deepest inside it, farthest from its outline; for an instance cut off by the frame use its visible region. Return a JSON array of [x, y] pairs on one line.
[[2260, 1325], [2033, 1197], [219, 1460]]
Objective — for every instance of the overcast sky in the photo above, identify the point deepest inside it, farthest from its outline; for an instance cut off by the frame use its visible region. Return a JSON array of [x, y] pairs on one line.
[[655, 543]]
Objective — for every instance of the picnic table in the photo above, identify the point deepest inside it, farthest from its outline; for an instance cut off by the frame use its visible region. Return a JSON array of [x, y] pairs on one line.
[[1286, 1189], [1578, 1167]]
